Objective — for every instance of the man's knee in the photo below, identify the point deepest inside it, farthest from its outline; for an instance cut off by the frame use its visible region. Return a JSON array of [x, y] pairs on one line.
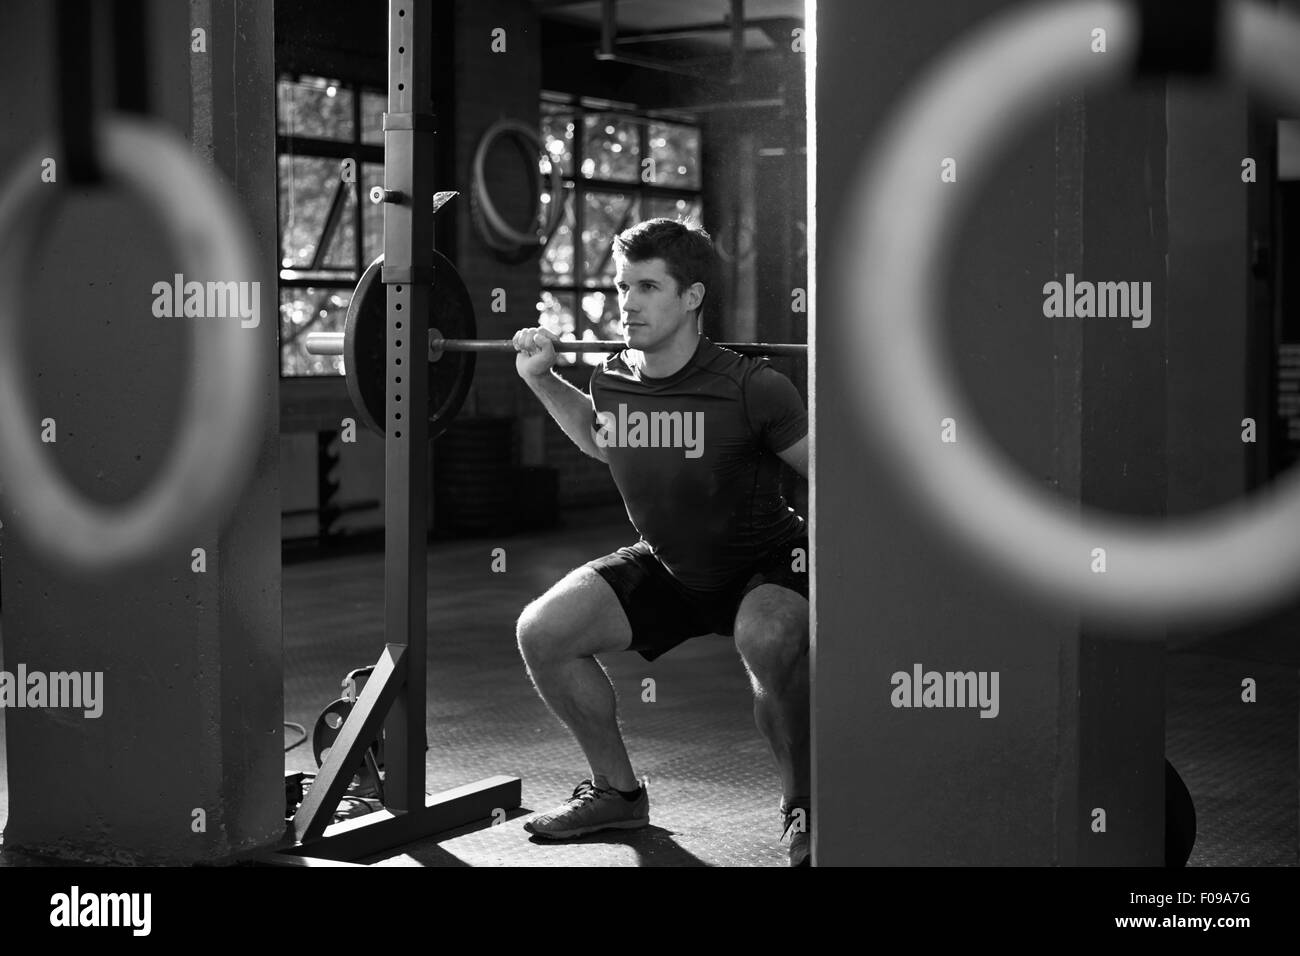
[[579, 617], [539, 634], [772, 647], [772, 634]]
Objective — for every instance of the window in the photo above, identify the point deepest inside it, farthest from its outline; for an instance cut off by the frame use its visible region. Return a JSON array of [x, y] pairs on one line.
[[619, 167], [327, 233]]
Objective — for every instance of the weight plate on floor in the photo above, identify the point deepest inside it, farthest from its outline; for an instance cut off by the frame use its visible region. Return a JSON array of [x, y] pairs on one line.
[[365, 777]]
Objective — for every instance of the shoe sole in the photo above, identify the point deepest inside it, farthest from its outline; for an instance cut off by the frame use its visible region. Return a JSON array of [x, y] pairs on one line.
[[583, 831]]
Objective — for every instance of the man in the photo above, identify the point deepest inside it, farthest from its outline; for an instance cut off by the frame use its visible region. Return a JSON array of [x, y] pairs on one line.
[[694, 436]]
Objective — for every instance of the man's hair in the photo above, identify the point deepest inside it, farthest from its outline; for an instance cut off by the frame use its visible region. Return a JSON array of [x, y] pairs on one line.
[[685, 248]]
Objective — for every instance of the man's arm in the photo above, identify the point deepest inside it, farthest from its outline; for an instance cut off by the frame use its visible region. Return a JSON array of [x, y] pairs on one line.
[[796, 456], [569, 406], [778, 415], [571, 409]]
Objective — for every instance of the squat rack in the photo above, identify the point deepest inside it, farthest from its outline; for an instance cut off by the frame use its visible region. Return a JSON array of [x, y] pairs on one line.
[[395, 695]]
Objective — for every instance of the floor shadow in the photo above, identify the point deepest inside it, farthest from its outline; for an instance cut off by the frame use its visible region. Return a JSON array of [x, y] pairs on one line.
[[654, 846]]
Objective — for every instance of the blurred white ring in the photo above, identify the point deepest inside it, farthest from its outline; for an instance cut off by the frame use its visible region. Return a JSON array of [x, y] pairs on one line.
[[218, 434], [894, 265], [726, 255], [556, 207]]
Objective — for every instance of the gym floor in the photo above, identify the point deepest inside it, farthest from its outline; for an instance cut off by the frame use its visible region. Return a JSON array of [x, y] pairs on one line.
[[713, 788]]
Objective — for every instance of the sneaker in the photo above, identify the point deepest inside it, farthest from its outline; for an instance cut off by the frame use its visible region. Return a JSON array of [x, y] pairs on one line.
[[797, 824], [595, 805]]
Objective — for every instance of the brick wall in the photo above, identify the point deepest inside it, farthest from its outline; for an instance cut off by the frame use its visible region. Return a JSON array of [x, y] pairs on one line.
[[491, 86], [583, 480]]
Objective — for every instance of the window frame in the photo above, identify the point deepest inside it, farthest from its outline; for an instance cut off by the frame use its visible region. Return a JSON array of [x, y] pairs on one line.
[[578, 187], [293, 146]]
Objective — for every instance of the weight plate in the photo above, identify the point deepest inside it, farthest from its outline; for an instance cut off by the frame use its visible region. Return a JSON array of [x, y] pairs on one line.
[[327, 729], [365, 778], [365, 358]]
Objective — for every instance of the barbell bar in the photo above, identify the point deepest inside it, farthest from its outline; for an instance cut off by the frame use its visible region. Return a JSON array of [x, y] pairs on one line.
[[453, 346], [331, 343]]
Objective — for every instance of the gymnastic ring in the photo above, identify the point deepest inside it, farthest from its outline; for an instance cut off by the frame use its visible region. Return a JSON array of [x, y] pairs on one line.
[[895, 261], [490, 213], [719, 245], [217, 439], [511, 252]]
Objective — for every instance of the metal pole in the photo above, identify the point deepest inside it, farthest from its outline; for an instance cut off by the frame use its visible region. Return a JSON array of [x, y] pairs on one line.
[[396, 692], [608, 29], [409, 155], [737, 41]]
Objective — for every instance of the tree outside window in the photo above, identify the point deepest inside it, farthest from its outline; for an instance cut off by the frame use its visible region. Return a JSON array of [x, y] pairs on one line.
[[327, 233]]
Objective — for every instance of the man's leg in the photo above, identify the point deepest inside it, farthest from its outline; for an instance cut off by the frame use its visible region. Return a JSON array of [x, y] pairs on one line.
[[559, 634], [772, 638]]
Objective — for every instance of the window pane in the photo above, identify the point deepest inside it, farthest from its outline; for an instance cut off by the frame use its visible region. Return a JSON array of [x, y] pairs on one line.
[[372, 117], [600, 309], [314, 310], [555, 312], [658, 207], [372, 214], [610, 147], [676, 154], [557, 259], [557, 137], [605, 215], [307, 187], [316, 107]]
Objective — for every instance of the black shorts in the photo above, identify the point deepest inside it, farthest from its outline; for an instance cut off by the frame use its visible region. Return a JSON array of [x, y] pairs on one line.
[[663, 612]]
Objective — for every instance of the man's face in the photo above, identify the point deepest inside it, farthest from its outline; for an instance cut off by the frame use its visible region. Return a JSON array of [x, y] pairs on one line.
[[653, 309]]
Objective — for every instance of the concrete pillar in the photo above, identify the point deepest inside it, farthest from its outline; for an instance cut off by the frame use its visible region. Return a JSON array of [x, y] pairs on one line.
[[185, 762], [1079, 405]]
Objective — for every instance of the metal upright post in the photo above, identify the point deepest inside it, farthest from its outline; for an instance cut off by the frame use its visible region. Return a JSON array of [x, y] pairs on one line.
[[395, 693], [408, 272]]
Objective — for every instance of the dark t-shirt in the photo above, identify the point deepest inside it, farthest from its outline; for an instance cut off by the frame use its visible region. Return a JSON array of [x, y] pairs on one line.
[[694, 456]]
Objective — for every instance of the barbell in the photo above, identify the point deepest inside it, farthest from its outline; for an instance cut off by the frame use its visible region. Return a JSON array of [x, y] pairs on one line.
[[333, 343], [893, 262], [452, 346]]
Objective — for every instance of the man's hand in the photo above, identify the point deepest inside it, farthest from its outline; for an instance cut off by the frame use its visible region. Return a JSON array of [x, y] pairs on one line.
[[536, 352], [570, 407]]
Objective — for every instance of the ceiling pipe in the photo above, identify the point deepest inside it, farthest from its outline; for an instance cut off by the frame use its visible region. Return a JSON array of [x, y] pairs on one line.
[[609, 37], [737, 41], [608, 29], [773, 103]]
